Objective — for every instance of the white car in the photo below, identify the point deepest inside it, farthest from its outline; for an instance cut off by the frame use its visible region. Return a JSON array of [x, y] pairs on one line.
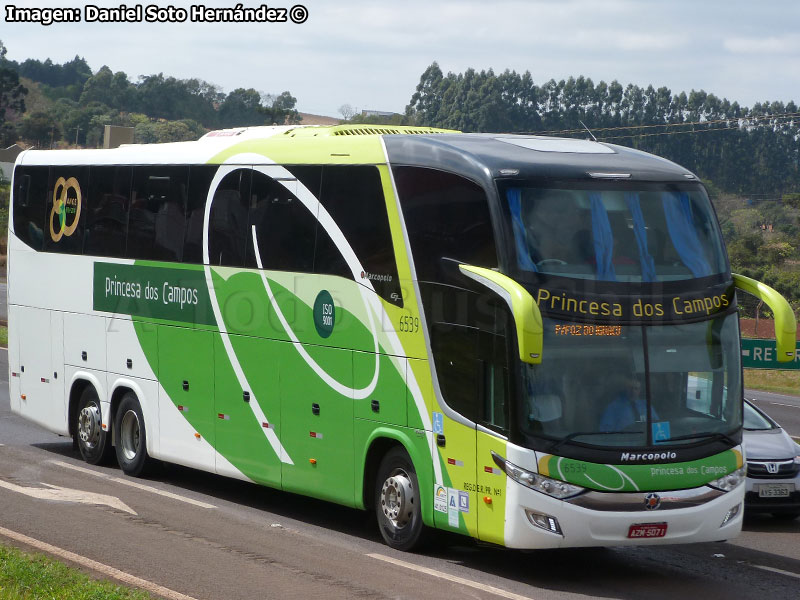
[[773, 466]]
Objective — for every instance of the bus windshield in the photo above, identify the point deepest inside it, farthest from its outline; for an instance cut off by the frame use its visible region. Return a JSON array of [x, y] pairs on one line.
[[634, 386], [611, 231]]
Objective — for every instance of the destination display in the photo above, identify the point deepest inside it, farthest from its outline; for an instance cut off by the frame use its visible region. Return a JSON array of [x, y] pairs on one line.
[[632, 309]]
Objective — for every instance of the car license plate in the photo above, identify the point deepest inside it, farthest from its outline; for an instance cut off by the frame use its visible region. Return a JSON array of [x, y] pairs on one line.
[[647, 530], [775, 490]]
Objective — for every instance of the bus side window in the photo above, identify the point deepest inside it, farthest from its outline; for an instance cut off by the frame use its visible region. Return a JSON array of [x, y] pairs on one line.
[[285, 228], [446, 215], [63, 230], [227, 228], [200, 177], [158, 203], [353, 196], [30, 203], [457, 368], [108, 200]]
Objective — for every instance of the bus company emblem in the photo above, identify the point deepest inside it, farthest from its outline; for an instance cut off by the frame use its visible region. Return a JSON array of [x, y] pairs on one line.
[[66, 208], [652, 501]]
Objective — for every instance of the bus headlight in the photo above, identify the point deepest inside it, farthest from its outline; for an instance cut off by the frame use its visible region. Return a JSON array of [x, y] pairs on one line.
[[545, 485], [729, 481]]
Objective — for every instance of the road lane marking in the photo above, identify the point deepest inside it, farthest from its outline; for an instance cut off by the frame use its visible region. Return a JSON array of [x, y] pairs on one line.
[[122, 576], [133, 484], [781, 404], [473, 584], [779, 571], [61, 494]]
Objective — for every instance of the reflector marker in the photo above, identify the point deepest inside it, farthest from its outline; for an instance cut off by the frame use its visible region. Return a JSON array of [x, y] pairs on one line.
[[183, 408], [457, 463], [265, 425], [224, 417], [45, 380], [492, 470], [314, 434], [313, 461]]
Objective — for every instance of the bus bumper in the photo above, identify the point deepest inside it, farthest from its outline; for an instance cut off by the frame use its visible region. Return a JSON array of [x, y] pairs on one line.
[[577, 526]]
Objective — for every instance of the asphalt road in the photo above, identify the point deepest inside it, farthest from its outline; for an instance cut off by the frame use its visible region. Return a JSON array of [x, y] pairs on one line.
[[209, 537]]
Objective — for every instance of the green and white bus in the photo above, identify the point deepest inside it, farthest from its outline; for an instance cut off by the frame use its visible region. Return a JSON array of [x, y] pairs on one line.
[[527, 340]]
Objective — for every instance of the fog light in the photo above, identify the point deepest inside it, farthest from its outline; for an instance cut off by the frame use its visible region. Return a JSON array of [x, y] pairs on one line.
[[731, 514], [545, 522]]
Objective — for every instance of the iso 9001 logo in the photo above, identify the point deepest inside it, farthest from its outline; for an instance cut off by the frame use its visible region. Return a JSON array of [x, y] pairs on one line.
[[66, 209]]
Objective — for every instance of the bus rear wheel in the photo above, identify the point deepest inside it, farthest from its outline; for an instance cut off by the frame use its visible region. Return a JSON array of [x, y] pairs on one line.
[[90, 436], [131, 437], [397, 502]]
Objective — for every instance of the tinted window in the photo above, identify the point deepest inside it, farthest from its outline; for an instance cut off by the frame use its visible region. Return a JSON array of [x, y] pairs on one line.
[[199, 182], [158, 204], [106, 210], [285, 228], [66, 209], [454, 348], [614, 231], [446, 216], [228, 220], [492, 352], [30, 202], [353, 196]]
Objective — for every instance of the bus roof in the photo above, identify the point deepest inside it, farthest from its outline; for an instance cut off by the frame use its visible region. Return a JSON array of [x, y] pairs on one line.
[[482, 155]]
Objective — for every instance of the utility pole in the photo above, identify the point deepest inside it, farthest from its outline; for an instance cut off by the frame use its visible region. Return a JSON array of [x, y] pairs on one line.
[[76, 134]]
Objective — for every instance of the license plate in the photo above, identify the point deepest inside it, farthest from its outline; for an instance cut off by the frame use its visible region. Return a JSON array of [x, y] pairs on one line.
[[647, 530], [775, 490]]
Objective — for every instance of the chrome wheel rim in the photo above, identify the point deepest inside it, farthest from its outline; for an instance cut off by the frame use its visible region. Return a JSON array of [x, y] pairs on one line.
[[130, 434], [398, 499], [89, 426]]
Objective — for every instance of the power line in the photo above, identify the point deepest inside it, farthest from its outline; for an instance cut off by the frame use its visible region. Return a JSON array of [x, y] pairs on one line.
[[741, 122]]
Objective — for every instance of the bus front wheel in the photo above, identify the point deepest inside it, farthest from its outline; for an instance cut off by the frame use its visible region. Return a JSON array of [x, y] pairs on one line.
[[90, 436], [397, 501], [131, 437]]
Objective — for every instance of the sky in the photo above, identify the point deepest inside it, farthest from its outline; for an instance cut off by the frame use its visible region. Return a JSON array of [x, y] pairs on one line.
[[371, 55]]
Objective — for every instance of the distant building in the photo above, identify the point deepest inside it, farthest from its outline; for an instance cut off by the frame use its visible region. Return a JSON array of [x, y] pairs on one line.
[[377, 113]]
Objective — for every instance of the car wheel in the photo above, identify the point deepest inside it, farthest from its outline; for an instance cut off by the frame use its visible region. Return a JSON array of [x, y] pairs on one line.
[[131, 437], [92, 440], [397, 502]]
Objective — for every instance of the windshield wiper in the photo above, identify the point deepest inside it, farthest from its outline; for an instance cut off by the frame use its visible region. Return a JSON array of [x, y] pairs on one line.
[[572, 436], [691, 436]]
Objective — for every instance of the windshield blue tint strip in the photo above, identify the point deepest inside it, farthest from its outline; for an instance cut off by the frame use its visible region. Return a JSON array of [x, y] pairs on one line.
[[648, 265], [682, 231], [514, 197], [603, 239]]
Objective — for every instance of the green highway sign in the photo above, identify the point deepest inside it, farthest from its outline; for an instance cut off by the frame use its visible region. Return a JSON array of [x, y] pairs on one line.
[[761, 354]]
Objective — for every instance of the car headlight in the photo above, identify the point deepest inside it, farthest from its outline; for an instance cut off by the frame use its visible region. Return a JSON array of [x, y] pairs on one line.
[[728, 482], [545, 485]]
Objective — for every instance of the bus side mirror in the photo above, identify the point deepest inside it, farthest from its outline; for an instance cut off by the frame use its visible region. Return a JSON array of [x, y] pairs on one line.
[[785, 322], [527, 318]]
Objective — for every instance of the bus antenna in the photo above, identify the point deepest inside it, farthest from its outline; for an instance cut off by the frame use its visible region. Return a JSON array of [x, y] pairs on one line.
[[587, 129]]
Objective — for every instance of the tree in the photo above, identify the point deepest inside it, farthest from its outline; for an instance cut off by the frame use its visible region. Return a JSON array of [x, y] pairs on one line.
[[347, 111], [39, 128], [242, 107], [112, 89], [12, 97], [282, 109]]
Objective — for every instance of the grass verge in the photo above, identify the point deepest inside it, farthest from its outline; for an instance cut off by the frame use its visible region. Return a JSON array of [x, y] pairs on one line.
[[781, 382], [27, 576], [4, 337]]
